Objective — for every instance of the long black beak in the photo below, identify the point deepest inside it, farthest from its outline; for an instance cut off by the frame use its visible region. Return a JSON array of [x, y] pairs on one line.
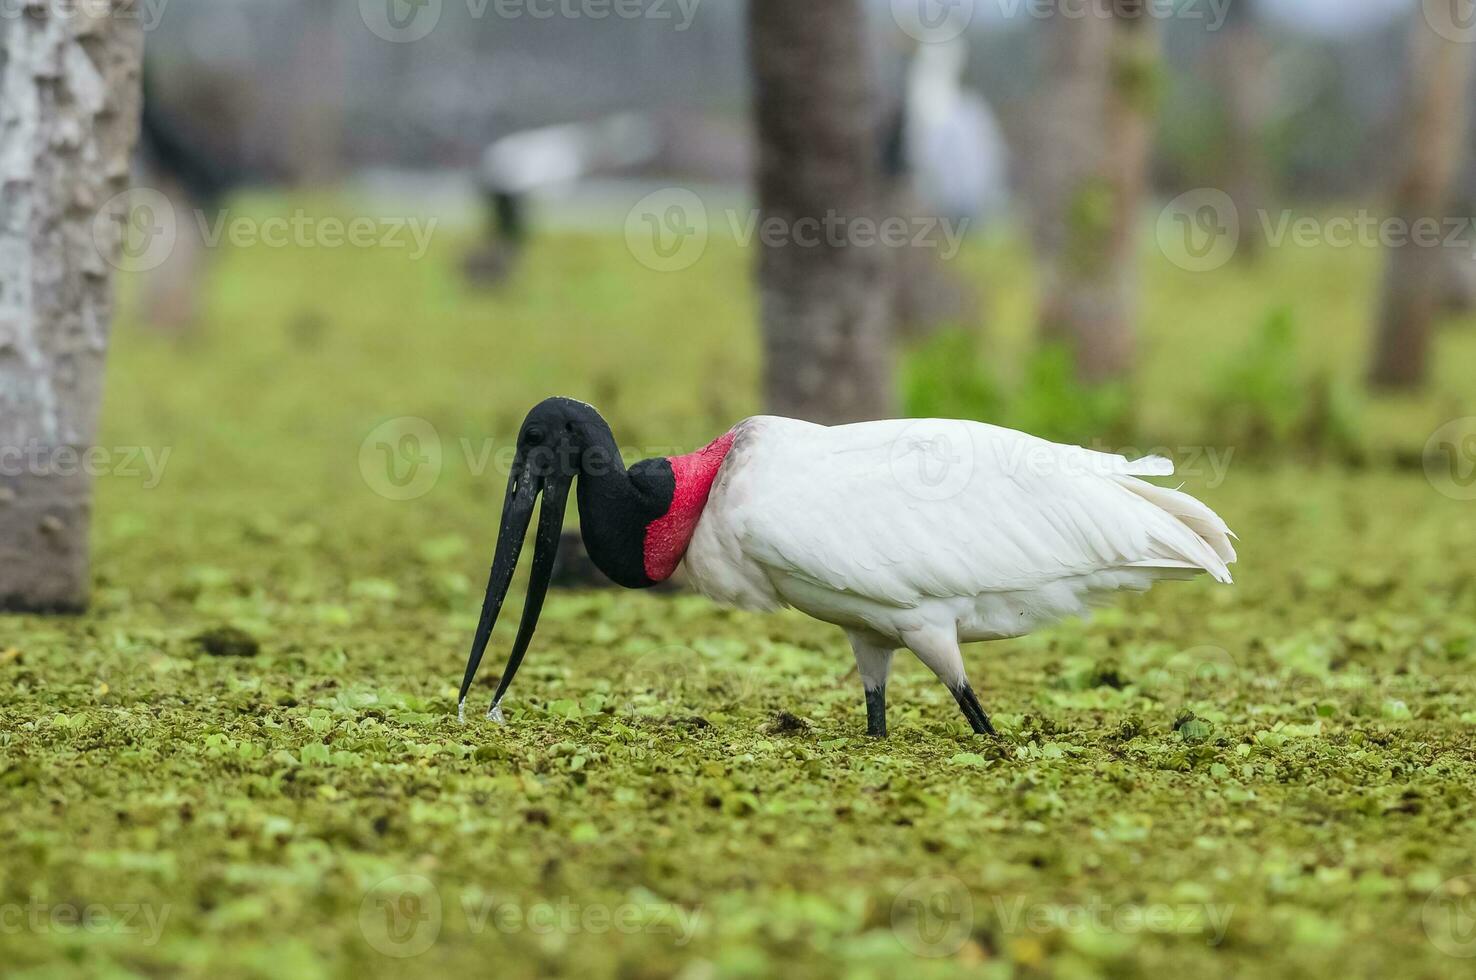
[[517, 511]]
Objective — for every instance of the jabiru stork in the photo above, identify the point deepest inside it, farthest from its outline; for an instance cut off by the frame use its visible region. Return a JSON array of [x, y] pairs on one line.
[[921, 534]]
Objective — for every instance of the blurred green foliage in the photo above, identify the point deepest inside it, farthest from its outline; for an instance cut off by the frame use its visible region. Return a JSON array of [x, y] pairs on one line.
[[1269, 397], [945, 377]]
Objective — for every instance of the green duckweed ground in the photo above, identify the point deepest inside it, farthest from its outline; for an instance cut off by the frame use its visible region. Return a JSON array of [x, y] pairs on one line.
[[1271, 779]]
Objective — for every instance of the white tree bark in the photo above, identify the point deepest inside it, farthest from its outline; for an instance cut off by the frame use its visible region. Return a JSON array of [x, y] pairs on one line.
[[69, 103]]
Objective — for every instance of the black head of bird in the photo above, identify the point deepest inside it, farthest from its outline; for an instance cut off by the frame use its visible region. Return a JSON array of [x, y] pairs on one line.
[[622, 514]]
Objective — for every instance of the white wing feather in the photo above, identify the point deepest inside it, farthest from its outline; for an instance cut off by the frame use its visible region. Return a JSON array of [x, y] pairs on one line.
[[902, 510]]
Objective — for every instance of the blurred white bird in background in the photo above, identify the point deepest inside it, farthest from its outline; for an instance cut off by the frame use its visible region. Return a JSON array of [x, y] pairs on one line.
[[954, 146]]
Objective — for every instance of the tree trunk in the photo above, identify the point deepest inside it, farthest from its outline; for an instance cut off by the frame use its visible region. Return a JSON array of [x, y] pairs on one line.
[[1242, 65], [1091, 179], [824, 293], [318, 105], [69, 106], [1416, 273]]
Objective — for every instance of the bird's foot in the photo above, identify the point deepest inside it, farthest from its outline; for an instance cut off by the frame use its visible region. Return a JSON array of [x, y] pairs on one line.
[[876, 712], [973, 710]]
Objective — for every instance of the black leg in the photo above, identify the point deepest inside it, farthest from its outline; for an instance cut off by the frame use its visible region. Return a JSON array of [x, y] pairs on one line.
[[973, 710], [876, 711]]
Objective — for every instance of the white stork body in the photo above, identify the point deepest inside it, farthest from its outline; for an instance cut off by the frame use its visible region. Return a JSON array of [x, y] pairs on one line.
[[929, 533], [921, 534]]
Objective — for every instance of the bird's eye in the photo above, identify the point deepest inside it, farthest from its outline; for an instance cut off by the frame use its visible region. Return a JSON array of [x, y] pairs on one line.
[[533, 437]]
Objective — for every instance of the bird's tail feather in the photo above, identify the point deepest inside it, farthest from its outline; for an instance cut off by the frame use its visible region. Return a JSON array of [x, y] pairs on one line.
[[1211, 547]]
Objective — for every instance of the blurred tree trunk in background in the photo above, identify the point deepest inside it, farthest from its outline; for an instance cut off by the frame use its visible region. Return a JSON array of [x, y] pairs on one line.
[[1416, 276], [318, 102], [1458, 295], [1241, 71], [174, 163], [826, 306], [1091, 180], [69, 108]]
